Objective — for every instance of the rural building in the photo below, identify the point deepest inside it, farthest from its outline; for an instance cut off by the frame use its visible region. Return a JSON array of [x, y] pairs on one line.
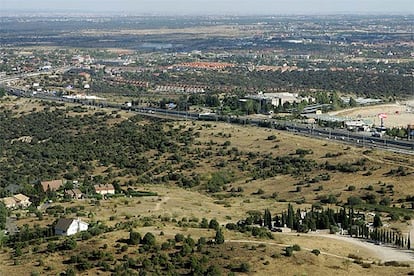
[[22, 200], [9, 202], [67, 227], [16, 201], [74, 193], [278, 99], [104, 189], [52, 185]]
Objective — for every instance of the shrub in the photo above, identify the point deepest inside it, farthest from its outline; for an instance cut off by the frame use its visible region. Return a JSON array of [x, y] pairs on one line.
[[353, 200], [396, 264], [134, 238], [366, 265], [288, 251], [316, 252], [271, 137], [179, 237], [244, 267], [355, 257], [68, 244], [296, 247], [214, 224], [148, 239]]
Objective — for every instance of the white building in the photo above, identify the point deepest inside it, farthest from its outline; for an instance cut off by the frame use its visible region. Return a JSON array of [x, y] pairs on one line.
[[67, 227], [278, 99], [105, 189]]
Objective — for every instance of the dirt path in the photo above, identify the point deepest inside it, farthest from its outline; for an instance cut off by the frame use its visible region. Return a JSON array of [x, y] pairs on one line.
[[381, 252], [158, 205]]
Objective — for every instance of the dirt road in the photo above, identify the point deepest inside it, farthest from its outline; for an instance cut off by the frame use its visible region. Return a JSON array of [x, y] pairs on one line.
[[383, 253]]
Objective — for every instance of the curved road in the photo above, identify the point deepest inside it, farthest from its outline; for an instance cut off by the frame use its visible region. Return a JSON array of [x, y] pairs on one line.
[[339, 135]]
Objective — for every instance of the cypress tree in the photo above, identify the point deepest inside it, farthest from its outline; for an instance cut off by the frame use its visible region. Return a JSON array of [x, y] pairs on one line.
[[377, 221], [290, 216], [267, 219]]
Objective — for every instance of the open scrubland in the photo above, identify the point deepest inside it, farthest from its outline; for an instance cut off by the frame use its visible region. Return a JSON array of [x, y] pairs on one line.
[[202, 177]]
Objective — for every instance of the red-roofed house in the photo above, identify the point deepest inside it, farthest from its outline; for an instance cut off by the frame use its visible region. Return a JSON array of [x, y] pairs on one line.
[[52, 185]]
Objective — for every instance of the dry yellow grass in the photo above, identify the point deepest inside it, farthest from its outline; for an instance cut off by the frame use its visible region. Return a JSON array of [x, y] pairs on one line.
[[177, 203]]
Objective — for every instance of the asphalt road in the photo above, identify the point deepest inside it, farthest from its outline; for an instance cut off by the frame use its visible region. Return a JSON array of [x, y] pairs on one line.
[[362, 139]]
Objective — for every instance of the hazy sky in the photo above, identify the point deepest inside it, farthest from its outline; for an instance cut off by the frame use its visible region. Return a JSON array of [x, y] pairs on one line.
[[213, 6]]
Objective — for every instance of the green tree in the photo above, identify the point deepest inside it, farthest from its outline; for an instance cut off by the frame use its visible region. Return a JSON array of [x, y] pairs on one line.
[[134, 238], [377, 221], [2, 92], [69, 244], [219, 238], [352, 102], [179, 237], [3, 215], [148, 239], [214, 224], [204, 223], [213, 270], [290, 216], [267, 219]]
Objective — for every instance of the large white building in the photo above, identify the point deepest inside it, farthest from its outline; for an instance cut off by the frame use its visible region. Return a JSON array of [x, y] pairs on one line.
[[278, 99], [67, 227]]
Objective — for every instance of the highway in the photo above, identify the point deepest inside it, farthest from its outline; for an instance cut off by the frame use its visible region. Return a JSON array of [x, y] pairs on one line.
[[362, 139]]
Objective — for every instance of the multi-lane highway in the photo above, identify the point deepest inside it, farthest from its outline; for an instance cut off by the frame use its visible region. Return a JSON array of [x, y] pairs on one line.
[[362, 139]]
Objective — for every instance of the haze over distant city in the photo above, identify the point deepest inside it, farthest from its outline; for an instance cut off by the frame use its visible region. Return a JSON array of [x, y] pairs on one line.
[[197, 7]]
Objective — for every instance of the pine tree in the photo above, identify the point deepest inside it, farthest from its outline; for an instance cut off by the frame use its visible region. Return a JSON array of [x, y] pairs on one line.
[[219, 239]]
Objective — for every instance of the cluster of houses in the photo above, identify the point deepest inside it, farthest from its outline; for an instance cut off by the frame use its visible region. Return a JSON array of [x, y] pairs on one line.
[[180, 88], [75, 193], [64, 226], [23, 201]]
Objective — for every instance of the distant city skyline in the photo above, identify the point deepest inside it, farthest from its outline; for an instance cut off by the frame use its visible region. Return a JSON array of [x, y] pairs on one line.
[[210, 7]]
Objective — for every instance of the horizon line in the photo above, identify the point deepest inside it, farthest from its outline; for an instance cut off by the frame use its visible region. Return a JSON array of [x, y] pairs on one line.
[[129, 13]]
